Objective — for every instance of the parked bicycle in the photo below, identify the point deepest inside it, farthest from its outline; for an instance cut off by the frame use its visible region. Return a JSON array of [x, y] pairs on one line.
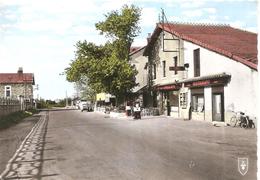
[[240, 119]]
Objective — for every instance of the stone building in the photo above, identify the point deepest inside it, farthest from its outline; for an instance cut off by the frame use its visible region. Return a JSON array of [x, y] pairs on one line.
[[17, 85], [202, 71]]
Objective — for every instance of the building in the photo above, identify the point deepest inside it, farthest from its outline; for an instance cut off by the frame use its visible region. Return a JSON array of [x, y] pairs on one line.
[[140, 62], [202, 71], [105, 99], [17, 85]]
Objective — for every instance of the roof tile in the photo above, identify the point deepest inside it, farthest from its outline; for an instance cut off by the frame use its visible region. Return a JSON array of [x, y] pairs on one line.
[[234, 43], [13, 78]]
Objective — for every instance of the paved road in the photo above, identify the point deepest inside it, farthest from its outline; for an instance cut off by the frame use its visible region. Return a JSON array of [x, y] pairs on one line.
[[70, 145]]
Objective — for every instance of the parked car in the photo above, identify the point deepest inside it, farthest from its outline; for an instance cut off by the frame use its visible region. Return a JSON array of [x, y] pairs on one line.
[[85, 105]]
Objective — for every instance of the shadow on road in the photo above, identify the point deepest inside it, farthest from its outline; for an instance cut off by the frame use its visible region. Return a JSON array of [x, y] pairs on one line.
[[28, 160]]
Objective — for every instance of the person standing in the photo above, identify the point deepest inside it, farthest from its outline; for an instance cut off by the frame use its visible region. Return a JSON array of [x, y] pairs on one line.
[[137, 111], [128, 109]]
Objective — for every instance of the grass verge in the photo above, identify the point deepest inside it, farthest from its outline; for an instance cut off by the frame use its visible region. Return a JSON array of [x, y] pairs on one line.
[[14, 118]]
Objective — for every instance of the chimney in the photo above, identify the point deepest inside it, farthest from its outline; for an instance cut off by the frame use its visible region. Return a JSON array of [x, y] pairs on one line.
[[20, 70], [148, 38]]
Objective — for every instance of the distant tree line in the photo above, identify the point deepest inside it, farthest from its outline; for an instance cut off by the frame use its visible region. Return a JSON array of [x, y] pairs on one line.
[[42, 103]]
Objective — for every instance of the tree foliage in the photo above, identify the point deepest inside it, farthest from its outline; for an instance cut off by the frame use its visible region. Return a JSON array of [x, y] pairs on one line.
[[106, 67]]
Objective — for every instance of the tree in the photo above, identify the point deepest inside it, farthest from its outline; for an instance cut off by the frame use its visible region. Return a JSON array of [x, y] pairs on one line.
[[106, 68], [83, 90], [121, 27]]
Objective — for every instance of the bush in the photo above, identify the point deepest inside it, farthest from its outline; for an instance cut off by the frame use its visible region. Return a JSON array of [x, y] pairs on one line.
[[14, 118]]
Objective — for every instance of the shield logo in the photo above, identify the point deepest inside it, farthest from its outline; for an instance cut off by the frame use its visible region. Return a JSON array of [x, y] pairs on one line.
[[243, 165]]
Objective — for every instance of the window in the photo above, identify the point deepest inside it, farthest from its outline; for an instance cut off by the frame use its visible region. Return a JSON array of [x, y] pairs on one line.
[[175, 63], [154, 71], [7, 91], [196, 62], [164, 68], [198, 103]]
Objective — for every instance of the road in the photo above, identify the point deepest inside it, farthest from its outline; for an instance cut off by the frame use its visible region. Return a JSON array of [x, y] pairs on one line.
[[71, 145]]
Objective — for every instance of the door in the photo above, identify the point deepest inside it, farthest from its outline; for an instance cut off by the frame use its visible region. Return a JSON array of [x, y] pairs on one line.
[[218, 107]]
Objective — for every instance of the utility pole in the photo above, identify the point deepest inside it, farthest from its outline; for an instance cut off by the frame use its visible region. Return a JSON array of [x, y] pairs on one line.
[[66, 99]]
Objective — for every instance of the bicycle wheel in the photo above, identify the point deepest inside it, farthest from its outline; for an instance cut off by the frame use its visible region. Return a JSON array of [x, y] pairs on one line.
[[244, 123], [253, 125], [233, 121]]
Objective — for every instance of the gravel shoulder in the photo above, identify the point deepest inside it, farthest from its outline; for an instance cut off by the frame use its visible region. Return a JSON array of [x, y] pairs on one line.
[[11, 138]]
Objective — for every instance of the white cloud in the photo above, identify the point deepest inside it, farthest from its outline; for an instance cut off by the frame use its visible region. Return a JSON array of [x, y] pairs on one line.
[[60, 27], [139, 42], [226, 17], [193, 13], [237, 24], [175, 18], [149, 17], [192, 4], [212, 17], [252, 29], [210, 10]]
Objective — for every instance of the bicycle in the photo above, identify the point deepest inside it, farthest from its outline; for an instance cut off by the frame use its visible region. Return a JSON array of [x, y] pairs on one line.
[[242, 120]]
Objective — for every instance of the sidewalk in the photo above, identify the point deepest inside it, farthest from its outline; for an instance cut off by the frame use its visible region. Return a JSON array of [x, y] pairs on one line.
[[11, 138]]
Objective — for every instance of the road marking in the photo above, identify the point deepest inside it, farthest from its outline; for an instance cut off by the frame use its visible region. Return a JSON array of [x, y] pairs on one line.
[[27, 160]]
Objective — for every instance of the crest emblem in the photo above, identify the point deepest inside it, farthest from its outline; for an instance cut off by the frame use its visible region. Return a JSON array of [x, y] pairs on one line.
[[242, 166]]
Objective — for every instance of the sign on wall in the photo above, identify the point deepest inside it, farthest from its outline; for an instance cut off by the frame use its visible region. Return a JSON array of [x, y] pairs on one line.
[[183, 100]]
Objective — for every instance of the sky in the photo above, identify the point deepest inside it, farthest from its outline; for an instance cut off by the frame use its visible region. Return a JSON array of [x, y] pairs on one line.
[[39, 35]]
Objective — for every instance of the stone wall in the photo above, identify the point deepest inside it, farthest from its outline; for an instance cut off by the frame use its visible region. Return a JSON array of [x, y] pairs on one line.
[[8, 106], [25, 90]]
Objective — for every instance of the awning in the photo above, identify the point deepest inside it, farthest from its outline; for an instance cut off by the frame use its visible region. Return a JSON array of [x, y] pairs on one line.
[[209, 80], [202, 81], [139, 89], [168, 86], [208, 77]]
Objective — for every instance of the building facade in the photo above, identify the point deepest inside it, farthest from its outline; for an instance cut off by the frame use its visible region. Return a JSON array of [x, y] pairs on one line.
[[140, 62], [17, 85], [203, 72]]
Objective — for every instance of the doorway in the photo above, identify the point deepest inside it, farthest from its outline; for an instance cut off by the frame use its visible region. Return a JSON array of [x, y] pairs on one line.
[[218, 107]]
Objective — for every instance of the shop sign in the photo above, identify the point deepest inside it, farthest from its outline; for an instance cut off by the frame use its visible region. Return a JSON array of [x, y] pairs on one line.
[[168, 87], [204, 83], [176, 68], [201, 83], [174, 109]]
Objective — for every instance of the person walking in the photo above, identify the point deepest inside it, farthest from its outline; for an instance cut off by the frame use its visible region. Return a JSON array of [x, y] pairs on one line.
[[137, 111]]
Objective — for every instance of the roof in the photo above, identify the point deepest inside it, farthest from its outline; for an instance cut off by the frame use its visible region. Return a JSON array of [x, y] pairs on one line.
[[16, 78], [207, 77], [134, 50], [236, 44]]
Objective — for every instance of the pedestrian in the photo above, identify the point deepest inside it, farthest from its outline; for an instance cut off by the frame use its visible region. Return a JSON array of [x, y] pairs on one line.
[[137, 111], [128, 109], [190, 111]]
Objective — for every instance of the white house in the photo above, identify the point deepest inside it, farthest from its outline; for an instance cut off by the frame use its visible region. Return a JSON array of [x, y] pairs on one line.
[[215, 74], [140, 63]]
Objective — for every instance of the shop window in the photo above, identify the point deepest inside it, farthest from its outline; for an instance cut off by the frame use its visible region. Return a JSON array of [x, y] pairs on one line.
[[174, 98], [198, 103], [183, 100], [196, 61], [164, 68], [7, 91]]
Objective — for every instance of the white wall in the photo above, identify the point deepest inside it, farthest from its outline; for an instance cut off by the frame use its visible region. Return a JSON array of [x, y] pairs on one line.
[[168, 58], [240, 94], [139, 61], [208, 103]]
